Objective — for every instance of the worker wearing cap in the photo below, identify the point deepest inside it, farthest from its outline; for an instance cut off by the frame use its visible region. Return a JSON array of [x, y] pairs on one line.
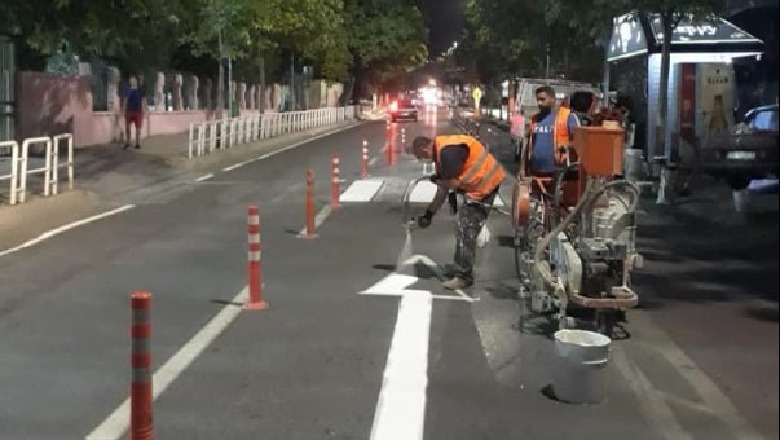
[[463, 164]]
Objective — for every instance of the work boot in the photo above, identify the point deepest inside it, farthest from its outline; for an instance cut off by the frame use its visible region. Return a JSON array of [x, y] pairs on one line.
[[456, 283]]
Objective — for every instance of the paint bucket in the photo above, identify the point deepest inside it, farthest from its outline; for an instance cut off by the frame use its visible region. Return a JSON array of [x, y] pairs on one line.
[[580, 366]]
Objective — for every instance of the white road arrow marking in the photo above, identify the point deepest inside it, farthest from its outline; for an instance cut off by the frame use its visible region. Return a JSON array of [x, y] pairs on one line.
[[395, 284], [400, 410]]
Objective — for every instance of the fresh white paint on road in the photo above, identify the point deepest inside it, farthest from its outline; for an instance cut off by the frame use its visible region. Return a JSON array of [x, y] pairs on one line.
[[361, 191], [113, 427], [400, 411], [64, 228], [395, 284], [319, 219], [204, 177]]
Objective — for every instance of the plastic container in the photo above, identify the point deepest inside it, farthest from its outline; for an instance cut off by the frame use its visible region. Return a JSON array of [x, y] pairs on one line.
[[580, 366], [634, 165]]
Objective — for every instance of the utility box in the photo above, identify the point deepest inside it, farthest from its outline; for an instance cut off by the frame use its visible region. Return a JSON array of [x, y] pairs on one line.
[[600, 151]]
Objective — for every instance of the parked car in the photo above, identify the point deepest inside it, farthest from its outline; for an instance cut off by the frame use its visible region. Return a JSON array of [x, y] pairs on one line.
[[403, 109], [748, 151]]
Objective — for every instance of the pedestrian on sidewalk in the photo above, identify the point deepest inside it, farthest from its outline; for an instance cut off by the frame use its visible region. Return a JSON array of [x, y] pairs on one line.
[[133, 105], [463, 164]]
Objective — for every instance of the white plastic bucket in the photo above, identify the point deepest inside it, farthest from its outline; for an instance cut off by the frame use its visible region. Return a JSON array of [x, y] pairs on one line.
[[580, 366]]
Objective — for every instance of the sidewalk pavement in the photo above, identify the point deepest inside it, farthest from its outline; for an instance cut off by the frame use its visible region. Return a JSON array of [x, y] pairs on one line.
[[106, 174]]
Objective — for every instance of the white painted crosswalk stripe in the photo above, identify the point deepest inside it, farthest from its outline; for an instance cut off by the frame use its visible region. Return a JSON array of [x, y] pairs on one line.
[[367, 190]]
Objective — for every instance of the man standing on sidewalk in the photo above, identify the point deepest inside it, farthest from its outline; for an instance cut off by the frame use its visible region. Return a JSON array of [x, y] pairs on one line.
[[464, 165], [133, 106]]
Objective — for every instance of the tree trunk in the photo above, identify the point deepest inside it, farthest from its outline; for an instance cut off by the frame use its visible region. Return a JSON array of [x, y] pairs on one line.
[[221, 91], [261, 105], [668, 25]]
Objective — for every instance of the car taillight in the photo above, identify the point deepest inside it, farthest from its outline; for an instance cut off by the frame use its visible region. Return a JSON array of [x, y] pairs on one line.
[[394, 106]]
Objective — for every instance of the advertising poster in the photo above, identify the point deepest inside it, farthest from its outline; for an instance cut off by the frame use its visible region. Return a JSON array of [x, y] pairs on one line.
[[715, 85]]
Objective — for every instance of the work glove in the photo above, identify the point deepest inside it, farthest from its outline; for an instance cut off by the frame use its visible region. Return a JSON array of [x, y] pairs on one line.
[[424, 220]]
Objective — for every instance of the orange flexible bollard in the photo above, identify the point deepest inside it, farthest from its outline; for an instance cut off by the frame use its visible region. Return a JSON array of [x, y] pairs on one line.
[[254, 268], [364, 161], [335, 180], [141, 420]]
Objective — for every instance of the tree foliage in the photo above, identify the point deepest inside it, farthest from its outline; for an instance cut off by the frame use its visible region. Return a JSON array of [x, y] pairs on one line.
[[336, 36], [508, 37]]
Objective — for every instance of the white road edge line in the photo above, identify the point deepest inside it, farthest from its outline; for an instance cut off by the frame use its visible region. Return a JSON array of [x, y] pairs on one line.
[[319, 219], [286, 148], [204, 177], [116, 424], [400, 410], [59, 230]]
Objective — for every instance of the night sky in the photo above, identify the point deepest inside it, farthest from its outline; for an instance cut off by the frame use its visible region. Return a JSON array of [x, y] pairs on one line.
[[443, 18]]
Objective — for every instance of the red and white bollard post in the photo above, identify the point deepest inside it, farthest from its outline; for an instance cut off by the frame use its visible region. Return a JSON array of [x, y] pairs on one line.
[[141, 421], [364, 161], [335, 181], [254, 269], [310, 231]]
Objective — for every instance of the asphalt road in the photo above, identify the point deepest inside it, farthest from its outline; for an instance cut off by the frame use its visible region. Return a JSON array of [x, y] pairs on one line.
[[315, 364]]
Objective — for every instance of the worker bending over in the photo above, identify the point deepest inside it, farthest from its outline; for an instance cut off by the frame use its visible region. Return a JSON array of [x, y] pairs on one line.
[[463, 164]]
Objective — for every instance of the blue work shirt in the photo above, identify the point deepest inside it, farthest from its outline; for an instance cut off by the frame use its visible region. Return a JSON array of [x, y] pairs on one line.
[[134, 98], [543, 153]]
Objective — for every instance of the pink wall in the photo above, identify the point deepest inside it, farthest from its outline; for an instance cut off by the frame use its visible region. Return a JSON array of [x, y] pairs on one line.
[[50, 104]]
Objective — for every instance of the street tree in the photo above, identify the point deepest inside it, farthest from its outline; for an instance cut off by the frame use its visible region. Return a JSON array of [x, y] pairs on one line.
[[386, 40], [595, 19]]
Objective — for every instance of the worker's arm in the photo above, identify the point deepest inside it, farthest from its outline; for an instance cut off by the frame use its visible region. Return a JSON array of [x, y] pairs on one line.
[[442, 189]]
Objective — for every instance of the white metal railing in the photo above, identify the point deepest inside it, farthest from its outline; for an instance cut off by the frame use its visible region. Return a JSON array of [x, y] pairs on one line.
[[24, 170], [205, 137], [55, 161], [20, 169], [13, 176]]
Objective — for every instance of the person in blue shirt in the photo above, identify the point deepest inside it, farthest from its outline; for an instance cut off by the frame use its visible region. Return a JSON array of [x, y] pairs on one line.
[[545, 139], [133, 106]]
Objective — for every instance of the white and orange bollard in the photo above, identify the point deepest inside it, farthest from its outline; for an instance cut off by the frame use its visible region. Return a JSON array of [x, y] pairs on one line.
[[310, 231], [141, 392], [254, 268], [335, 180], [364, 161]]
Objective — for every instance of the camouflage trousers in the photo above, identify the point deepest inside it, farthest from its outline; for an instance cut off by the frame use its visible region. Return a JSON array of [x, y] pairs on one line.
[[471, 218]]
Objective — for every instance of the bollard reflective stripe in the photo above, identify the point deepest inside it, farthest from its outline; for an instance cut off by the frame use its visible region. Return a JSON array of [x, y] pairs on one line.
[[335, 180], [254, 274]]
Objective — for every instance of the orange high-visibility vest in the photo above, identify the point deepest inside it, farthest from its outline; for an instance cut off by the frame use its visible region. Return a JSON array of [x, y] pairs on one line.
[[560, 133], [481, 174]]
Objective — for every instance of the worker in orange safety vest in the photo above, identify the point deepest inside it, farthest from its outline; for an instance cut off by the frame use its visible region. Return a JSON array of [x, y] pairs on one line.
[[464, 165], [551, 133]]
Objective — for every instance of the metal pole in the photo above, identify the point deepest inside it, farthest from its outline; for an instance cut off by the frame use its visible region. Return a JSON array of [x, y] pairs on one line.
[[547, 66]]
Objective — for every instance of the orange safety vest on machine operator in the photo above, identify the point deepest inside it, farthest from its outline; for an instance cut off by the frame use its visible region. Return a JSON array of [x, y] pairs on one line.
[[560, 134], [481, 174]]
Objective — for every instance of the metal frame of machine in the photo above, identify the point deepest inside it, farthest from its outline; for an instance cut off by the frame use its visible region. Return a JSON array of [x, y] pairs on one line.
[[575, 234]]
